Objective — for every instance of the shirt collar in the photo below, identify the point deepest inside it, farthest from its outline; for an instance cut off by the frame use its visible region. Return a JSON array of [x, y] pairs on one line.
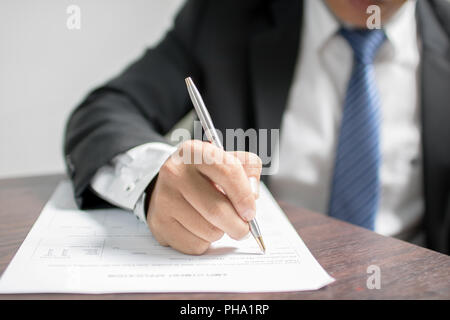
[[401, 32], [401, 29], [321, 21]]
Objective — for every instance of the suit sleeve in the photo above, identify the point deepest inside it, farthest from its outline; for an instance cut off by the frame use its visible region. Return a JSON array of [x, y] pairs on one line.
[[137, 107]]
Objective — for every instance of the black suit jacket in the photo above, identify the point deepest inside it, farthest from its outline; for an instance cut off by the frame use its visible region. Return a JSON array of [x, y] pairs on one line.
[[242, 56]]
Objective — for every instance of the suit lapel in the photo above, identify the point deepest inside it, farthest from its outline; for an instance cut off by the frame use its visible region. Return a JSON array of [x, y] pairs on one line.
[[435, 109], [435, 88], [273, 53]]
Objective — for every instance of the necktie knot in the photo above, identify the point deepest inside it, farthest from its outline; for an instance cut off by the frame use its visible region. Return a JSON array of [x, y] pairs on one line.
[[365, 43]]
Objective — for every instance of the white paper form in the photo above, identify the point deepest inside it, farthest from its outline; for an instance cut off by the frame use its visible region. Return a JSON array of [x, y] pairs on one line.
[[110, 251]]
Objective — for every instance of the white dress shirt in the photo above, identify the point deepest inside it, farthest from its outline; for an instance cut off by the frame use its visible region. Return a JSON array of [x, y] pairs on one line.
[[311, 123], [310, 127]]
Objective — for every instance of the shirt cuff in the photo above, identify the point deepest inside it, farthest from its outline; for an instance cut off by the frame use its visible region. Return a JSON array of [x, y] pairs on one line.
[[123, 181]]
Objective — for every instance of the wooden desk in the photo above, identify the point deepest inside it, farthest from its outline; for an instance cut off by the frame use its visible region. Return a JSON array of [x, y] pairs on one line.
[[345, 251]]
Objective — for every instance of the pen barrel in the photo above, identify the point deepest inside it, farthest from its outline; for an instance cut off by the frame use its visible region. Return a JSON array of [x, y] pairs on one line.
[[254, 228], [213, 137], [203, 114]]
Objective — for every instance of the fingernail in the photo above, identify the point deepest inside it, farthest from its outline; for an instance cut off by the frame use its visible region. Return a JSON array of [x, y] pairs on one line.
[[248, 214], [254, 185]]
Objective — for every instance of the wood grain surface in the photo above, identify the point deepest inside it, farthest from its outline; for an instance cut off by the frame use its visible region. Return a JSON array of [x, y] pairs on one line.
[[344, 250]]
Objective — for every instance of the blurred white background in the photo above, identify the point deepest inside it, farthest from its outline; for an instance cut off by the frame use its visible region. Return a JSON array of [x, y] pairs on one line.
[[46, 69]]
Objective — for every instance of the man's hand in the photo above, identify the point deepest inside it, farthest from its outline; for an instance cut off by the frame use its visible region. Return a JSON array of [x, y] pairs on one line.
[[201, 193]]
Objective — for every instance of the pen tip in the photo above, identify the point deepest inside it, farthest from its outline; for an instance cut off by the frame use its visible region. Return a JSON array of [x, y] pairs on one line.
[[261, 244], [188, 80]]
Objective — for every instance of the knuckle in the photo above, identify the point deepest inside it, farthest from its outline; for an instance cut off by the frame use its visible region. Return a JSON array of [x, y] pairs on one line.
[[255, 161], [231, 159], [216, 210], [193, 145], [199, 248], [187, 144], [191, 150], [169, 170], [231, 170], [253, 165], [213, 155], [245, 200], [213, 210], [223, 169], [240, 231], [214, 233]]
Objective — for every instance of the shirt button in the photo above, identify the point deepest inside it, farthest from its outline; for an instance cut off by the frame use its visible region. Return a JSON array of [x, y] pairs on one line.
[[129, 187]]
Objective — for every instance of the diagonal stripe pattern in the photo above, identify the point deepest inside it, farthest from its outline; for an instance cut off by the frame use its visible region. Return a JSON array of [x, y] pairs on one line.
[[356, 184]]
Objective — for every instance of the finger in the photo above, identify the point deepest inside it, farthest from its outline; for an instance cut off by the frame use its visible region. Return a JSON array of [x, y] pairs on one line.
[[179, 238], [194, 222], [252, 165], [225, 170], [214, 206]]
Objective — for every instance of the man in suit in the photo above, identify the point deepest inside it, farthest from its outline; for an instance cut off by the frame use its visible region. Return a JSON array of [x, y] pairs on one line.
[[362, 115]]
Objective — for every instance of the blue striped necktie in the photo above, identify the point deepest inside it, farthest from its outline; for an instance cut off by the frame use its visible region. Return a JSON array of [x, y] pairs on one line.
[[355, 188]]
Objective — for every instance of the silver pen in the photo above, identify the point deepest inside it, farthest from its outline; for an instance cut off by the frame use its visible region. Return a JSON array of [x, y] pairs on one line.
[[211, 134]]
